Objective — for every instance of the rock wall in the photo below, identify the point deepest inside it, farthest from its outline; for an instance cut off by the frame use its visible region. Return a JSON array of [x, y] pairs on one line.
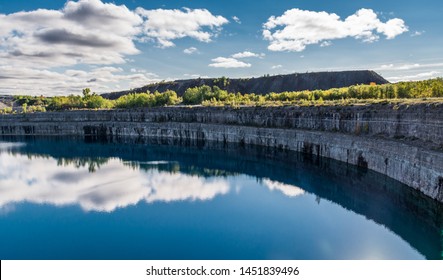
[[404, 142]]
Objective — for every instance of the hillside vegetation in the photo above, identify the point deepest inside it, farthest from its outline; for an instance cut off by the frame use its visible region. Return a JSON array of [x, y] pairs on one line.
[[214, 96], [266, 84]]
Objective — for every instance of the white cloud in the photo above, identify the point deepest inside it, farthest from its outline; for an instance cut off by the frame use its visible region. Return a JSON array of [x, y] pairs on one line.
[[236, 19], [387, 66], [93, 32], [296, 29], [39, 81], [190, 50], [246, 54], [417, 33], [45, 181], [195, 76], [87, 31], [228, 62], [164, 26], [277, 66], [233, 61], [411, 66], [400, 67], [325, 44], [414, 77]]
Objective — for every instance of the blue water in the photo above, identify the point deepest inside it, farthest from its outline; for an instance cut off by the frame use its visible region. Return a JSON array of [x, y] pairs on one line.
[[71, 199]]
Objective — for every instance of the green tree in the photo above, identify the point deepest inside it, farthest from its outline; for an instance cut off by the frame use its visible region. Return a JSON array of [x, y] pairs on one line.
[[86, 92]]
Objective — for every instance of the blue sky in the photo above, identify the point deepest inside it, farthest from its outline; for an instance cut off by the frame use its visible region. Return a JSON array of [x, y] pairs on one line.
[[59, 47]]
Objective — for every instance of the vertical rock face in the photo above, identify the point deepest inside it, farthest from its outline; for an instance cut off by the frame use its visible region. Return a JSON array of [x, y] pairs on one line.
[[404, 142], [266, 84]]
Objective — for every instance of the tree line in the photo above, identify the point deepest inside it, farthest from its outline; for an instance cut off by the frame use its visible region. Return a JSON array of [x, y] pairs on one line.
[[214, 96]]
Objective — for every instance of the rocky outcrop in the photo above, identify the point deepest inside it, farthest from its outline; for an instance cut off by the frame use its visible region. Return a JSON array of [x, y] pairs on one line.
[[266, 84], [5, 101], [404, 142]]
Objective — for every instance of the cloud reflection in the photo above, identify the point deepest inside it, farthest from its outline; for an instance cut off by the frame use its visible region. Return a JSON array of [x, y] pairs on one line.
[[112, 186], [6, 146], [288, 190]]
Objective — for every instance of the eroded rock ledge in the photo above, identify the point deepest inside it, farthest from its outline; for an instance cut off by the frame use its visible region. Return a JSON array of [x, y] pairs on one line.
[[404, 142]]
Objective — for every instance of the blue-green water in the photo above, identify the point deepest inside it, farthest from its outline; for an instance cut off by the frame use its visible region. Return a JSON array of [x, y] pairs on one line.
[[71, 199]]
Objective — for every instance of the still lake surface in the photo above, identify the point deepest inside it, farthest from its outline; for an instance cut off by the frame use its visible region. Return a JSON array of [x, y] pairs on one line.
[[74, 199]]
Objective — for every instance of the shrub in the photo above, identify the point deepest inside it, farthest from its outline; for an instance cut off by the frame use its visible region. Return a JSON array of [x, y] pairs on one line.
[[7, 110], [143, 100], [97, 102]]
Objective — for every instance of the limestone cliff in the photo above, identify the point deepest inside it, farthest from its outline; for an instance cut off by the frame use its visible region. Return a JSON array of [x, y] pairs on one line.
[[403, 142]]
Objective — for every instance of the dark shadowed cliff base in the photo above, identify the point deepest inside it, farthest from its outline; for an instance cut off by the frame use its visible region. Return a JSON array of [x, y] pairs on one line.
[[266, 84]]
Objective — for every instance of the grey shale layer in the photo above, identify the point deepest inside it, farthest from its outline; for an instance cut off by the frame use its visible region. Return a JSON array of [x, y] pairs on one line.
[[404, 142]]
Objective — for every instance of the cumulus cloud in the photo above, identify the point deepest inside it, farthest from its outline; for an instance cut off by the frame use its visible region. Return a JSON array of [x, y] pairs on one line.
[[44, 181], [164, 26], [190, 50], [246, 54], [236, 19], [277, 66], [87, 31], [228, 62], [93, 32], [296, 29]]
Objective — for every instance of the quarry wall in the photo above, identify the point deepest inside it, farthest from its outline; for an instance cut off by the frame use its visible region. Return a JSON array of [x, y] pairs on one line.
[[404, 142]]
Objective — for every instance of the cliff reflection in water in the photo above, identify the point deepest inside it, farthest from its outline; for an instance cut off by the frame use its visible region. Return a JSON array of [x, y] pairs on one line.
[[104, 177]]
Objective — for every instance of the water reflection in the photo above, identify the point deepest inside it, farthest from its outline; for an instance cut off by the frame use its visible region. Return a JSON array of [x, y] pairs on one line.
[[104, 177], [284, 188], [107, 186], [8, 146]]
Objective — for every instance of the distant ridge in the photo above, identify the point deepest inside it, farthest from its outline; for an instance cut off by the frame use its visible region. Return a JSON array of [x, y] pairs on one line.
[[266, 84]]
